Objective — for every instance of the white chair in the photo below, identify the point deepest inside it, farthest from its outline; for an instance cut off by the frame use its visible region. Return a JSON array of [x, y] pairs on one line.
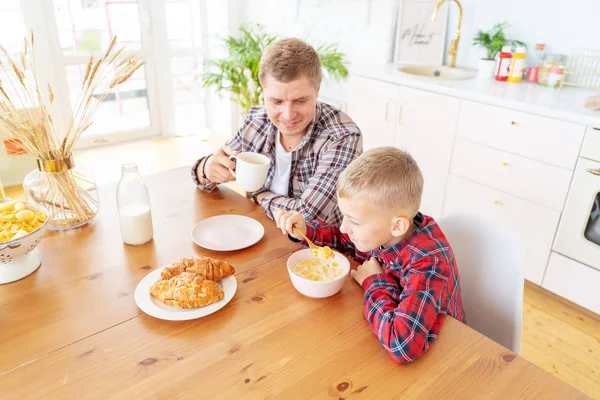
[[491, 265]]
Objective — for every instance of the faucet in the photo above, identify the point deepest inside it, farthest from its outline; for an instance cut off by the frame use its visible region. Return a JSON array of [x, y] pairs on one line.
[[454, 42]]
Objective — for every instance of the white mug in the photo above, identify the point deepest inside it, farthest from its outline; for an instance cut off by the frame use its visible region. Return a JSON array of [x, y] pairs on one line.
[[251, 170]]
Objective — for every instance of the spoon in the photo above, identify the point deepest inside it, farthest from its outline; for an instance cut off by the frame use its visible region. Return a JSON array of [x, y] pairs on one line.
[[318, 251]]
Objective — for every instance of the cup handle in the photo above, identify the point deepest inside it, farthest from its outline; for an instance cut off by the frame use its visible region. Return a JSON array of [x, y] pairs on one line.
[[234, 159]]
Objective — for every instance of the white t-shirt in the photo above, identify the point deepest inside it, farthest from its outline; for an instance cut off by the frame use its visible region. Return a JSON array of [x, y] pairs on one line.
[[283, 167]]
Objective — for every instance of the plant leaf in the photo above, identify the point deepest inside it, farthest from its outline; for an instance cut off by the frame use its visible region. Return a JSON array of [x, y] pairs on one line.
[[493, 40], [238, 72]]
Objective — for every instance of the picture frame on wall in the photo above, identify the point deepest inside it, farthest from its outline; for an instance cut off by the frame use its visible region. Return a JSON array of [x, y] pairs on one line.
[[419, 40]]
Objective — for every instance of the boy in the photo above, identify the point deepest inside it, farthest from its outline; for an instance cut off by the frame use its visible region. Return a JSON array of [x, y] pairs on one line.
[[408, 272]]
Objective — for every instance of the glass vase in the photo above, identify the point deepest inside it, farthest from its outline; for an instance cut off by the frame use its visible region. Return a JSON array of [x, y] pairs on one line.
[[69, 193]]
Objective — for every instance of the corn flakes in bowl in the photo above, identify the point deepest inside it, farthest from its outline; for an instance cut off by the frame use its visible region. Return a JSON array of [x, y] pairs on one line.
[[22, 226], [317, 277]]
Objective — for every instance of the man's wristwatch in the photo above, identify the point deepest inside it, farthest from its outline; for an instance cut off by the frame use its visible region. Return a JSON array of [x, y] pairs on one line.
[[254, 199]]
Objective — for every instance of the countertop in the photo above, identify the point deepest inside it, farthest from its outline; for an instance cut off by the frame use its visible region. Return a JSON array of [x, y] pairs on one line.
[[566, 104]]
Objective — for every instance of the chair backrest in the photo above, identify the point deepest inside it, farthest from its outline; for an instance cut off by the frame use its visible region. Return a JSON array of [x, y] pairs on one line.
[[491, 266]]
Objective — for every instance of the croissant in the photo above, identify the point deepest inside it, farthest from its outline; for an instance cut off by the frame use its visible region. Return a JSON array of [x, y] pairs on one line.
[[187, 290], [208, 267]]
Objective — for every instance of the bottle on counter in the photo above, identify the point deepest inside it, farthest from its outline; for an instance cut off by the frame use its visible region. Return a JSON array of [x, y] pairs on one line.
[[532, 74], [550, 61], [503, 64], [540, 53], [555, 77], [517, 66], [133, 202]]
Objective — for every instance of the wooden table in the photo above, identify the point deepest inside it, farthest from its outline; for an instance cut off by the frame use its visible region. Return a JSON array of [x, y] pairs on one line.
[[72, 329]]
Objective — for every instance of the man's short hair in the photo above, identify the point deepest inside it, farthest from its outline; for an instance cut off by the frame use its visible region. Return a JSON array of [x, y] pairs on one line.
[[290, 59]]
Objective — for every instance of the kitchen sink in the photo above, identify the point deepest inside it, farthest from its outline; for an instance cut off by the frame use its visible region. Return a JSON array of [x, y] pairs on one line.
[[441, 72]]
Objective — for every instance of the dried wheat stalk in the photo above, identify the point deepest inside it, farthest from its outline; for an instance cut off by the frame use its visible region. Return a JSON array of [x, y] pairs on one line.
[[27, 117]]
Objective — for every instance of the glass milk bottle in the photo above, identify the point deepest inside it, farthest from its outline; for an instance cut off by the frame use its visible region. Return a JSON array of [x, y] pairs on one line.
[[133, 203]]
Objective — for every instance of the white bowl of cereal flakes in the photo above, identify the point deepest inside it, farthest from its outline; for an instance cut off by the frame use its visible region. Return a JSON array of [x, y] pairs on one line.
[[22, 226], [317, 277]]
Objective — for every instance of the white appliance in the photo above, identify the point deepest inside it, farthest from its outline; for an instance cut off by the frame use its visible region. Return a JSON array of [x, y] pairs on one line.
[[578, 235]]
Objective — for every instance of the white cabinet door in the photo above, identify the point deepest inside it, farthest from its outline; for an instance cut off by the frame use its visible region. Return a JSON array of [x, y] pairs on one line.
[[531, 180], [426, 126], [535, 224], [591, 144], [373, 105], [573, 281], [544, 139]]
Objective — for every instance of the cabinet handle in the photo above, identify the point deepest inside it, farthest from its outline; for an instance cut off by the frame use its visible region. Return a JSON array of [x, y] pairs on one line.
[[593, 171], [497, 202], [400, 113], [505, 164], [387, 108]]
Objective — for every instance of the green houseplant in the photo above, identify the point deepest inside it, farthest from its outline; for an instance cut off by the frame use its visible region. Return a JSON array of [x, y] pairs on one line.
[[492, 41], [237, 73]]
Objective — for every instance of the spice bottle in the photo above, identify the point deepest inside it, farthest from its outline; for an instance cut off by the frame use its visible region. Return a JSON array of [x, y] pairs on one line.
[[517, 67], [503, 64]]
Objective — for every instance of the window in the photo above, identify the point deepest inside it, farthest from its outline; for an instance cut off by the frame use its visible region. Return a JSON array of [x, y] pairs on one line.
[[12, 30], [163, 97], [185, 50], [88, 26]]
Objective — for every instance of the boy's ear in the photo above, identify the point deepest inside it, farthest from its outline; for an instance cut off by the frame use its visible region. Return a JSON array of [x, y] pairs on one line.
[[400, 226]]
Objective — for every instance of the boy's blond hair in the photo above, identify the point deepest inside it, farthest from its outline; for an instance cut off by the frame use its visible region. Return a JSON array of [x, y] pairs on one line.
[[289, 59], [386, 176]]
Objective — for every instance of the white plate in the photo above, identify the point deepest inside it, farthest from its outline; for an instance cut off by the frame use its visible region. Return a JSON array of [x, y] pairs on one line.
[[227, 232], [158, 309]]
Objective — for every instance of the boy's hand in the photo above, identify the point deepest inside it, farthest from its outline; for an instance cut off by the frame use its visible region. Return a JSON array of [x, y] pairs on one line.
[[286, 220], [368, 268]]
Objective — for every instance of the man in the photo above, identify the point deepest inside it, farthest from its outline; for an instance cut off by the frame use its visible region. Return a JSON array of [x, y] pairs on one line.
[[308, 142]]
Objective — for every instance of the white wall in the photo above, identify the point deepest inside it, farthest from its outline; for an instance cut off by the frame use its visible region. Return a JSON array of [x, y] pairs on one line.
[[222, 18], [363, 29], [560, 24]]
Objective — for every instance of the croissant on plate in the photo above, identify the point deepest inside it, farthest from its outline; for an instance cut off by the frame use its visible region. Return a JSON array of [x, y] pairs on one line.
[[187, 290], [208, 267]]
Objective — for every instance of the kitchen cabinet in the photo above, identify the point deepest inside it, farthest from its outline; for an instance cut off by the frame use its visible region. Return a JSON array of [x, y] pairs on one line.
[[548, 140], [531, 180], [574, 281], [373, 106], [535, 224], [425, 128], [420, 122]]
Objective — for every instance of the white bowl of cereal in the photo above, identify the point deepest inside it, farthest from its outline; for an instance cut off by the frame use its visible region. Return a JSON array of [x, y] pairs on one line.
[[317, 277], [22, 226]]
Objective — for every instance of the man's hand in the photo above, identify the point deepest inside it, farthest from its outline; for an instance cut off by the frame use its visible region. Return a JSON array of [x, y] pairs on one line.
[[217, 166], [286, 220], [368, 268]]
